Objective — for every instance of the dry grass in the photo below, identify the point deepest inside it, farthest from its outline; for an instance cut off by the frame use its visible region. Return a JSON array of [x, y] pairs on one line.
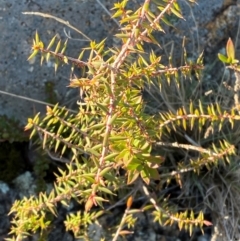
[[217, 191]]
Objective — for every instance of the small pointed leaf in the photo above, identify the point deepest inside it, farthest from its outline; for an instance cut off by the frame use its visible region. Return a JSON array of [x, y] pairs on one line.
[[223, 58], [230, 50]]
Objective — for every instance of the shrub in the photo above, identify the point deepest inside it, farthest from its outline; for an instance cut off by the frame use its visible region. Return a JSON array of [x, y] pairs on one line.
[[119, 146]]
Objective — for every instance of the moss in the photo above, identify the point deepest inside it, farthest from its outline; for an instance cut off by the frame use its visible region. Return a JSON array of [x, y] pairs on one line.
[[12, 162], [13, 143], [51, 96], [40, 168], [11, 130]]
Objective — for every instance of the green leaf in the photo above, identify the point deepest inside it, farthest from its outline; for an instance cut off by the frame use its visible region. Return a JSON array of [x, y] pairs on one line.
[[63, 150], [129, 19], [65, 59], [64, 47], [34, 131], [96, 127], [52, 209], [134, 164], [180, 225], [132, 176], [117, 14], [124, 3], [176, 12], [200, 58], [235, 61], [154, 40], [36, 38], [58, 47], [122, 35], [154, 173], [48, 56], [145, 176], [117, 138], [106, 190], [110, 156], [93, 152], [165, 20], [44, 140], [184, 123], [146, 6], [106, 170], [176, 6], [114, 117], [34, 53], [56, 65], [51, 43], [99, 200], [223, 58], [57, 145]]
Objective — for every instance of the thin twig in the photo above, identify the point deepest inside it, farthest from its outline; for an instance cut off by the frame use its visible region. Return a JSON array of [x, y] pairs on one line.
[[108, 13], [237, 35], [196, 27], [123, 220], [70, 37], [34, 100], [45, 15], [191, 147]]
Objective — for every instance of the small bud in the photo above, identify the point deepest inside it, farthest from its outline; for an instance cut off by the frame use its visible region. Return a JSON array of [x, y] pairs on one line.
[[89, 204], [129, 202]]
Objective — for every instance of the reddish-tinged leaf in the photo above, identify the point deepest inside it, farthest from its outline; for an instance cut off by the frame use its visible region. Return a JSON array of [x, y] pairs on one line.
[[207, 223], [89, 204], [230, 50], [124, 232]]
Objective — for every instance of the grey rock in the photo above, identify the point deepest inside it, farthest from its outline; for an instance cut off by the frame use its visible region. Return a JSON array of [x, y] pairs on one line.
[[203, 237], [19, 77], [25, 184], [4, 188]]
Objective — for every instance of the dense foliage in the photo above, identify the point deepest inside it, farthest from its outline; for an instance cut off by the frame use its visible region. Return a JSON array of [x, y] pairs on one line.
[[115, 148]]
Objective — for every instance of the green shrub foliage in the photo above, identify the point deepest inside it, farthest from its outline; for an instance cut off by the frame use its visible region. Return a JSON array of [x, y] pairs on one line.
[[116, 148]]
